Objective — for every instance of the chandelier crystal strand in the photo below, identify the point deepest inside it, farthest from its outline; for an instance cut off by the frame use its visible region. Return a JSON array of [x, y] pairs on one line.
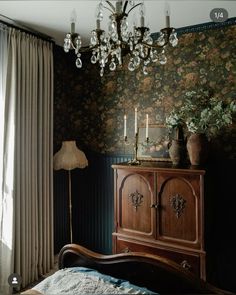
[[111, 47]]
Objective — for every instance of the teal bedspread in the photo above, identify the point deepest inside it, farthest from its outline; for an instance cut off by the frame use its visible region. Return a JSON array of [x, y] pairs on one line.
[[80, 280]]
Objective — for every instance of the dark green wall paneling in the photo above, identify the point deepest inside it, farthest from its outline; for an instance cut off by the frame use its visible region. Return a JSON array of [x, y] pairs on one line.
[[90, 110], [92, 199]]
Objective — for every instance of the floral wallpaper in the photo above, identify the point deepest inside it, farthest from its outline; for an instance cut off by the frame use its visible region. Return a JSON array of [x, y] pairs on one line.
[[91, 109]]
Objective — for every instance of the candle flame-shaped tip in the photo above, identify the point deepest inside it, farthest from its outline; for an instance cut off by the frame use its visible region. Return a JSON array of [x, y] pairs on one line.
[[73, 16], [167, 9]]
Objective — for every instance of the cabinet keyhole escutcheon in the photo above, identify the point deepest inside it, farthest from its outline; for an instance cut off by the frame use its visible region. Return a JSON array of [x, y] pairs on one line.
[[126, 250], [185, 264], [178, 204], [136, 199]]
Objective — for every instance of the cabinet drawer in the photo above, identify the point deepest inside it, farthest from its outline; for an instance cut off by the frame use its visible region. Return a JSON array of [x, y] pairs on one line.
[[188, 261]]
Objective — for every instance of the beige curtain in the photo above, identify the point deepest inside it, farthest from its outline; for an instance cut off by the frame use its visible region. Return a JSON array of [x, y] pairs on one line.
[[30, 76], [7, 143]]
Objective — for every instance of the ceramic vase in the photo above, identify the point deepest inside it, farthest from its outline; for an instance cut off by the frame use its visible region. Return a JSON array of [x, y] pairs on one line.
[[197, 147], [176, 151]]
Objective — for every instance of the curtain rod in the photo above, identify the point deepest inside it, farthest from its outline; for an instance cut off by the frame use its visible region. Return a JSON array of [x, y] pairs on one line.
[[11, 23]]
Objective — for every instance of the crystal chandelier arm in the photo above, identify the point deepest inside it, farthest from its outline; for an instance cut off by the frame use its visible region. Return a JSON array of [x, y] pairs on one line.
[[107, 8], [154, 45], [86, 49], [125, 6], [167, 32], [134, 7], [111, 5]]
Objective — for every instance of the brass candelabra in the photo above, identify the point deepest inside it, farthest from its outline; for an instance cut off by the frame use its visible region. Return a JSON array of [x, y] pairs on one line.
[[135, 160]]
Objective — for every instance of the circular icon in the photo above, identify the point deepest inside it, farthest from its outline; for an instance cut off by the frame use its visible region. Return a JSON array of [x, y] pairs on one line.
[[14, 280], [219, 15]]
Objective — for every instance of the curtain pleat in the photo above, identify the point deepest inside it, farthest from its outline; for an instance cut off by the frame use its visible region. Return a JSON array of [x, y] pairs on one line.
[[34, 242], [7, 140]]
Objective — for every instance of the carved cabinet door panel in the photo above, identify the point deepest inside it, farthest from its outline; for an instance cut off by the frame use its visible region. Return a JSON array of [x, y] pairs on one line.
[[180, 207], [135, 202]]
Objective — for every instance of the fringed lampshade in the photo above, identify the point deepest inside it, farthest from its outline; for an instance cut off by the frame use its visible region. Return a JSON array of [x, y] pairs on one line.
[[69, 157]]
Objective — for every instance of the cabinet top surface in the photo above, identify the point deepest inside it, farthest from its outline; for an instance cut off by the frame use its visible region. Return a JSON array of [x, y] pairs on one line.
[[159, 166]]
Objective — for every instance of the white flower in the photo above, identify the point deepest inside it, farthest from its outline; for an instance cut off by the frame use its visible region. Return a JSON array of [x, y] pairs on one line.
[[202, 113]]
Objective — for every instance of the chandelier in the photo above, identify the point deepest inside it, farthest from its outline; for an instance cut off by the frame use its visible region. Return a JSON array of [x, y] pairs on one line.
[[110, 48]]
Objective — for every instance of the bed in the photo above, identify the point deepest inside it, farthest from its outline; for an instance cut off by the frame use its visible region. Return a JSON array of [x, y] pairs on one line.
[[126, 273]]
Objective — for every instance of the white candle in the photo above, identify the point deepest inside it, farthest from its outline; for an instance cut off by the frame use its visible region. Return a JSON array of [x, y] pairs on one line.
[[146, 125], [135, 121], [142, 14], [125, 127], [73, 18], [142, 21], [167, 14], [98, 24]]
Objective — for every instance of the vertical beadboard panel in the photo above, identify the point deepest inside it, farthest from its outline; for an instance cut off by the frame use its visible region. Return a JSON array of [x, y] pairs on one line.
[[92, 197], [61, 217]]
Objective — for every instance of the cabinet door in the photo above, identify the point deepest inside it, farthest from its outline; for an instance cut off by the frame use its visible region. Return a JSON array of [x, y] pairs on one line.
[[134, 199], [180, 209]]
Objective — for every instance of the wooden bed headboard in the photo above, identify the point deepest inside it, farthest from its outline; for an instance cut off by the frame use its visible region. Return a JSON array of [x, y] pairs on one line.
[[145, 270]]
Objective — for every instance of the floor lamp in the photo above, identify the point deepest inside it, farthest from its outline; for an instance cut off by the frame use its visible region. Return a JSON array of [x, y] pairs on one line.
[[68, 158]]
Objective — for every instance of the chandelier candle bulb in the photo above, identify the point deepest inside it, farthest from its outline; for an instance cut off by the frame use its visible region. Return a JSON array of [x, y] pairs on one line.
[[167, 13], [146, 126], [73, 18], [98, 24], [72, 28], [142, 21], [135, 121]]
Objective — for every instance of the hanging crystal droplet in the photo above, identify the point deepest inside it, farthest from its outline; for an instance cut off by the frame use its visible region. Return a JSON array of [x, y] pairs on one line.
[[78, 42], [145, 72], [173, 39], [161, 40], [93, 39], [66, 45], [136, 61], [146, 62], [112, 27], [131, 46], [131, 66], [124, 29], [78, 63], [93, 59], [154, 56], [66, 49], [162, 58], [101, 72], [112, 66]]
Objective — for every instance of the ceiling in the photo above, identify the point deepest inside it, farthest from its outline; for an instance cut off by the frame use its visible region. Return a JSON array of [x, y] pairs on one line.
[[53, 17]]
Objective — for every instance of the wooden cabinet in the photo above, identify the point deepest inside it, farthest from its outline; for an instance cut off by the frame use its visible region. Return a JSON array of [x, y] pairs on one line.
[[160, 209]]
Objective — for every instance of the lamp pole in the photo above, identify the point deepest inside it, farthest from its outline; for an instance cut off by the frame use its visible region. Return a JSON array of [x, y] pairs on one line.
[[70, 209]]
